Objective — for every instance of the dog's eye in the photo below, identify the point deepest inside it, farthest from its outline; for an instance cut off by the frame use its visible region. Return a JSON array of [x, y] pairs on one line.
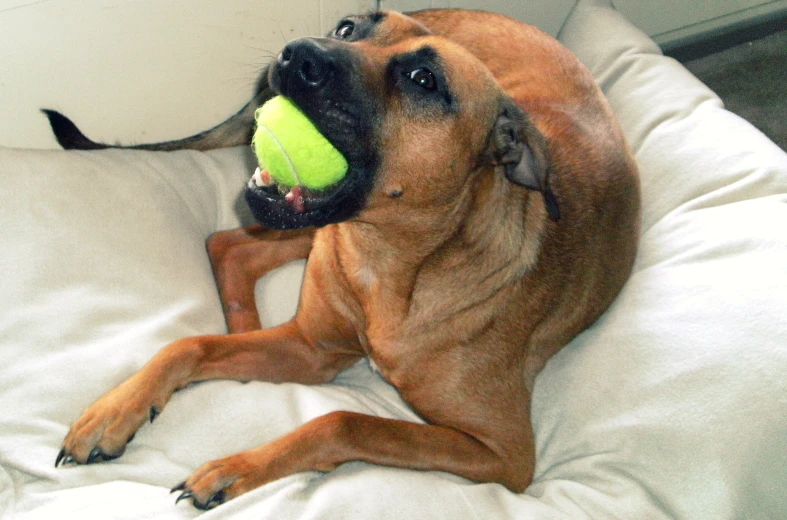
[[423, 78], [345, 30]]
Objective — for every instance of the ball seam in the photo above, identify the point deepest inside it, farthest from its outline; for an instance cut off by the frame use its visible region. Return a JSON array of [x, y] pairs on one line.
[[284, 152]]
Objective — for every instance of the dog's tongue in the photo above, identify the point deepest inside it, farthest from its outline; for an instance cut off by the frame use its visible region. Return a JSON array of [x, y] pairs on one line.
[[295, 198]]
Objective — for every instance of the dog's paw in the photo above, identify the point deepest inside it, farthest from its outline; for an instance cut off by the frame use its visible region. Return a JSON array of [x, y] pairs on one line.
[[216, 482], [106, 427], [221, 480]]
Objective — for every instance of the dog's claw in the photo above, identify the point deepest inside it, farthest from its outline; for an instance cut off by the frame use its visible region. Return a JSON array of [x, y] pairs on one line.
[[66, 459], [184, 495], [95, 455], [98, 455], [154, 412], [215, 500], [60, 457]]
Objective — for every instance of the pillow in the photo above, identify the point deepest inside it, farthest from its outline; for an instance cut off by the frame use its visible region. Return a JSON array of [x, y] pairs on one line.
[[671, 406], [103, 263]]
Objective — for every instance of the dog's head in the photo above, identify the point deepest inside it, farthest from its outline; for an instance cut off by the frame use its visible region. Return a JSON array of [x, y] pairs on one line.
[[415, 115]]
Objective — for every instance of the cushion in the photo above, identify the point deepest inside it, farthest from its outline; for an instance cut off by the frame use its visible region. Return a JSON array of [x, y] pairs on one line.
[[671, 406]]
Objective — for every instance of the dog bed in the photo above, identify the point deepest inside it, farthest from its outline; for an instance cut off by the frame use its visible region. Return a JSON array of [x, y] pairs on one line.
[[673, 405]]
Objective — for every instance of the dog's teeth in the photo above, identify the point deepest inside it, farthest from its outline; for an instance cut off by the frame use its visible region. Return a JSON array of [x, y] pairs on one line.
[[295, 198], [253, 181], [261, 178]]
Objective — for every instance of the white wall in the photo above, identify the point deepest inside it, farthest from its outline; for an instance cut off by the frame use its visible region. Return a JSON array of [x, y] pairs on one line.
[[141, 70], [148, 70], [669, 21], [548, 15], [134, 71]]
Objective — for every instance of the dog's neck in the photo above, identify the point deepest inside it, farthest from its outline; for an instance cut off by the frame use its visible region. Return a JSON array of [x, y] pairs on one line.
[[414, 267]]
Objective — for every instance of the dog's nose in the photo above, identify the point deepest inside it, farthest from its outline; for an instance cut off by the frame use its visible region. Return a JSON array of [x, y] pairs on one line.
[[306, 62]]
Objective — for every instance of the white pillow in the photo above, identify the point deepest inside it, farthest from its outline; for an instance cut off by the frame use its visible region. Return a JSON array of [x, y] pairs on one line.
[[103, 263], [671, 406], [674, 404]]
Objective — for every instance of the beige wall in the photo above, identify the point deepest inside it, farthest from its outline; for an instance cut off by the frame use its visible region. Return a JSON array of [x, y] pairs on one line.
[[147, 70], [141, 70], [673, 20], [548, 15]]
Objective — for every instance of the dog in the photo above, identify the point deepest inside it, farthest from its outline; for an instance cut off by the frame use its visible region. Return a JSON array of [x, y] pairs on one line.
[[489, 215]]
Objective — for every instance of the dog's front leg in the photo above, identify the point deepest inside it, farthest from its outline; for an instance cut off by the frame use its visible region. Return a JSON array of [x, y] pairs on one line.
[[277, 355], [333, 439], [239, 257]]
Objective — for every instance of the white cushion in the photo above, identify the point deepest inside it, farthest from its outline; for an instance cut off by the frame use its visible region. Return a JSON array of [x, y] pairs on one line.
[[674, 404], [671, 406]]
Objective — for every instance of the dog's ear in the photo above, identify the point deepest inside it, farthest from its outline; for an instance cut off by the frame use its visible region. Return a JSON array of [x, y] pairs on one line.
[[518, 146]]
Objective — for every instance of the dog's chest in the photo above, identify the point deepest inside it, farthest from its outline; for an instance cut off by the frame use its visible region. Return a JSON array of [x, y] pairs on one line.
[[380, 281], [364, 278]]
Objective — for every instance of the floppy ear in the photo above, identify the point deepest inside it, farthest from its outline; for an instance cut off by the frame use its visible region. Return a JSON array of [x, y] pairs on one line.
[[518, 146]]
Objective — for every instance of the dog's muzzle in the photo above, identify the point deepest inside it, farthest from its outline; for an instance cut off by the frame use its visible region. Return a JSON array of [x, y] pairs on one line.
[[320, 76]]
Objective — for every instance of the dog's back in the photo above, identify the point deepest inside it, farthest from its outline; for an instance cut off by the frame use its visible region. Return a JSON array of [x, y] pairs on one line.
[[593, 173]]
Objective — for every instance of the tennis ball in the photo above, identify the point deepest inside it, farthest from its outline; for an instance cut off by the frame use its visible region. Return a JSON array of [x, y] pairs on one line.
[[292, 150]]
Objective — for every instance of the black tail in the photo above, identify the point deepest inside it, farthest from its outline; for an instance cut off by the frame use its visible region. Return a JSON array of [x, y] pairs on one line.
[[67, 133], [235, 131]]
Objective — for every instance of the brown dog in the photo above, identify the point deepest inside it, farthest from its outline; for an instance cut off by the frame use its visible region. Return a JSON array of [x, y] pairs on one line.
[[490, 214]]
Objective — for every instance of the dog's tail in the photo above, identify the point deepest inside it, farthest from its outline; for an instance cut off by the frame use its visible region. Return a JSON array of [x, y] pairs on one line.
[[235, 131], [67, 134]]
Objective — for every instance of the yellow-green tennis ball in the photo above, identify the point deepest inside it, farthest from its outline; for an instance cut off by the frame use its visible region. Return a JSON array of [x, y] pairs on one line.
[[292, 150]]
